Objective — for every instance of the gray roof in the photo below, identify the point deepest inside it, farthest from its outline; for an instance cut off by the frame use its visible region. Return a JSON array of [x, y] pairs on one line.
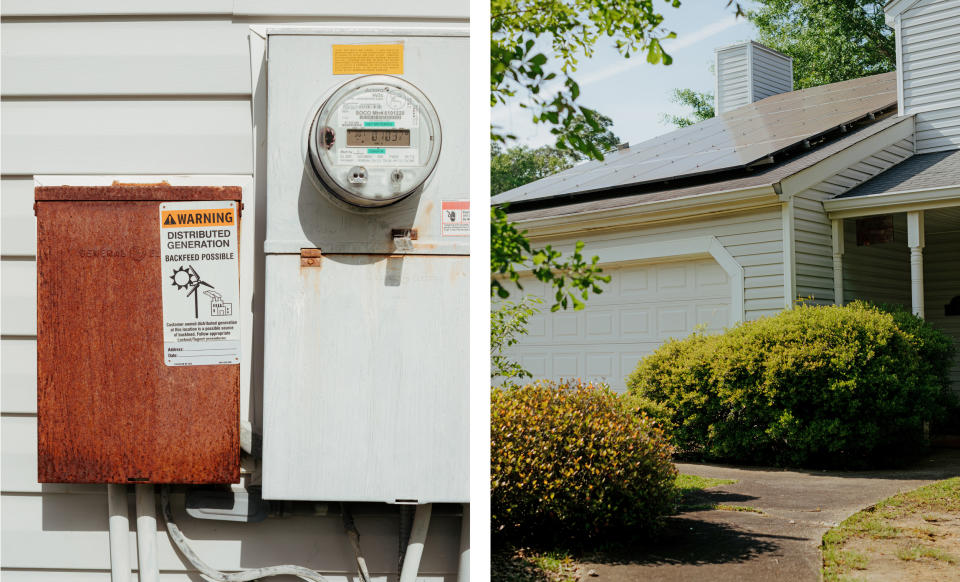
[[734, 140], [920, 172], [761, 176]]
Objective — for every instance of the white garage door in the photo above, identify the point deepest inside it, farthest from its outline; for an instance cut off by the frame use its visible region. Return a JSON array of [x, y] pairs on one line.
[[640, 308]]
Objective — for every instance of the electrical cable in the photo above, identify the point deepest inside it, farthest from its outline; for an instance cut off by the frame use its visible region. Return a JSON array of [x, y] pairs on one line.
[[354, 536], [183, 544]]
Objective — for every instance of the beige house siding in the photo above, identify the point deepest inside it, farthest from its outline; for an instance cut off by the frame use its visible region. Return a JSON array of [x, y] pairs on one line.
[[929, 49], [812, 227], [151, 88], [942, 256], [879, 272]]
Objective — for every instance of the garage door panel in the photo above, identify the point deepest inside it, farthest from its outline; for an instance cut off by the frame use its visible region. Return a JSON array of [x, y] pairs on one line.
[[711, 278], [537, 326], [643, 306], [602, 365], [566, 325], [601, 325], [635, 323], [633, 282], [567, 365], [673, 320], [716, 316], [536, 364], [674, 278]]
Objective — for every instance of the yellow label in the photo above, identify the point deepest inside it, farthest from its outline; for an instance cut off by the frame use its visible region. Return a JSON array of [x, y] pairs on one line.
[[368, 59], [197, 218]]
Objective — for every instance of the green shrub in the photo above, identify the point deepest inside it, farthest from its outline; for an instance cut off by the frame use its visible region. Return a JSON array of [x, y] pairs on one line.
[[641, 405], [570, 462], [813, 386]]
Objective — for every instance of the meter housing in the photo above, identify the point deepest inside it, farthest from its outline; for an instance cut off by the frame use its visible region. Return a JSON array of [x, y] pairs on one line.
[[375, 140]]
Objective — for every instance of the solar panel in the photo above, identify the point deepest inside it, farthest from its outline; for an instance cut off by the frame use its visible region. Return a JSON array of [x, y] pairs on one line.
[[732, 140]]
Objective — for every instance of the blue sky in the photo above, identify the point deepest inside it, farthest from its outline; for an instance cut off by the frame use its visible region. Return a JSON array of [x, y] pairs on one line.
[[635, 94]]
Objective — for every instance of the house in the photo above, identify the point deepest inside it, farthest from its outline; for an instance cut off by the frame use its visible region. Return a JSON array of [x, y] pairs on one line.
[[840, 192], [145, 92]]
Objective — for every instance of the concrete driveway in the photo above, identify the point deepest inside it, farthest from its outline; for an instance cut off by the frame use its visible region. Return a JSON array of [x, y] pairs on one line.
[[780, 544]]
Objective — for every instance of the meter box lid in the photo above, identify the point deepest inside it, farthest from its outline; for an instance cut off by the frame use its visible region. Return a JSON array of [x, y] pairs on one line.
[[110, 409]]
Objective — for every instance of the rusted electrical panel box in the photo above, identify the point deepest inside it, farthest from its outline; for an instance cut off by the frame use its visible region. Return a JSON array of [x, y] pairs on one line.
[[114, 402]]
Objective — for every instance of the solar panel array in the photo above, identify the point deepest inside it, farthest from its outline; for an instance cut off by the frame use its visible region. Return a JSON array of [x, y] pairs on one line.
[[732, 140]]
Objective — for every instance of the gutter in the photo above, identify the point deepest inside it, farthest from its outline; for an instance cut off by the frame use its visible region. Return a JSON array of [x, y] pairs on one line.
[[577, 222], [902, 201]]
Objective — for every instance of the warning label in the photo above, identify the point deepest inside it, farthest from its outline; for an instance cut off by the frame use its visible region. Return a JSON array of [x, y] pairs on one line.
[[200, 278], [368, 59], [456, 218], [196, 218]]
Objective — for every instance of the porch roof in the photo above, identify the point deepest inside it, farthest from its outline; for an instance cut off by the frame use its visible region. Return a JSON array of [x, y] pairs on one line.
[[919, 172]]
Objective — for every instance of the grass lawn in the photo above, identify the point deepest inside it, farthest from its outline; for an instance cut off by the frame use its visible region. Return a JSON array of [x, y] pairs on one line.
[[527, 565], [913, 535], [691, 485]]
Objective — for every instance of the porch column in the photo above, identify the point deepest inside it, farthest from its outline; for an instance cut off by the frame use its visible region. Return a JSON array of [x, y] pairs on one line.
[[837, 261], [915, 240]]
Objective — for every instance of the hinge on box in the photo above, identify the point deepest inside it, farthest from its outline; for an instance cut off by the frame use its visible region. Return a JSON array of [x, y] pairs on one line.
[[310, 257]]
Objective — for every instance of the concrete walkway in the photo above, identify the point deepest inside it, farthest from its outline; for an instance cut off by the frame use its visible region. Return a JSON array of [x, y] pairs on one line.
[[782, 543]]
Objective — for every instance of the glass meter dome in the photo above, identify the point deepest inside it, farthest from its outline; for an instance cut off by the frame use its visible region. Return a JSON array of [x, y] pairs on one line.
[[375, 140]]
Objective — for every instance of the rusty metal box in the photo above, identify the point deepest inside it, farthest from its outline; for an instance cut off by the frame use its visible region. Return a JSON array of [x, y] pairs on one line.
[[109, 408]]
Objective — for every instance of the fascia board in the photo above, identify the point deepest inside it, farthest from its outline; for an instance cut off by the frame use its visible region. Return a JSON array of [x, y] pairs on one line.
[[895, 8], [808, 177], [905, 201], [662, 210]]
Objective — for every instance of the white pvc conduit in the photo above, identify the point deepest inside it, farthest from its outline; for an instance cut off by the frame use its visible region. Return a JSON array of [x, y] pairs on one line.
[[418, 535], [119, 533], [147, 534], [463, 571]]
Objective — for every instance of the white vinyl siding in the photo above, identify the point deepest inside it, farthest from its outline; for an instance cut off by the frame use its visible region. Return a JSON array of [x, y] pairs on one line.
[[772, 73], [748, 72], [812, 227], [879, 272], [733, 78], [377, 9], [136, 87], [930, 50], [941, 266]]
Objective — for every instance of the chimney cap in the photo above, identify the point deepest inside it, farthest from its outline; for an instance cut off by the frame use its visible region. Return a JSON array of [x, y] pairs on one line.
[[755, 44]]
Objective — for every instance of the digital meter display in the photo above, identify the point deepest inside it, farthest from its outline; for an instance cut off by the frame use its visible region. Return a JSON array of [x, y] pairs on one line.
[[378, 137], [374, 141]]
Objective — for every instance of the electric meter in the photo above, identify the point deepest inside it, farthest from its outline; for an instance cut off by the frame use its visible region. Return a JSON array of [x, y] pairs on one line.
[[375, 140]]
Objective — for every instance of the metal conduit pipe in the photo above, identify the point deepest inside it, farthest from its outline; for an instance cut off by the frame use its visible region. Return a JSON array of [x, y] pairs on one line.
[[119, 533], [418, 535], [147, 534], [463, 569]]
